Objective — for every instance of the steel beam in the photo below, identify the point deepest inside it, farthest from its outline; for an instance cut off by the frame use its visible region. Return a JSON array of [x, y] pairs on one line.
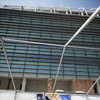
[[9, 67], [70, 40], [49, 44], [83, 26], [29, 42]]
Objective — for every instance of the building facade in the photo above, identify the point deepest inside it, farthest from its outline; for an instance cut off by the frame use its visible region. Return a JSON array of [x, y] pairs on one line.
[[38, 64]]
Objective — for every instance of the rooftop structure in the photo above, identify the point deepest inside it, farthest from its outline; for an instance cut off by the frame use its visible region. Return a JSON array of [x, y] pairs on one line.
[[67, 10]]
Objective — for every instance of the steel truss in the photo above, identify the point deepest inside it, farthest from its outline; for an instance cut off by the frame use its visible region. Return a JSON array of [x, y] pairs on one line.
[[67, 10]]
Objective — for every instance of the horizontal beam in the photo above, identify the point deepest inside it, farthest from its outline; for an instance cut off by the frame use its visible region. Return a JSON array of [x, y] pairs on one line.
[[83, 47], [29, 42], [69, 46]]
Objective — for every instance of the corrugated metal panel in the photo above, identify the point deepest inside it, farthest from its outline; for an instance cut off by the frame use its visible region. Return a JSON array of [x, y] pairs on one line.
[[42, 61]]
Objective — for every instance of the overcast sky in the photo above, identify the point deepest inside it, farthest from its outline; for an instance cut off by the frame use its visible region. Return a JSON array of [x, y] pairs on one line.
[[52, 3]]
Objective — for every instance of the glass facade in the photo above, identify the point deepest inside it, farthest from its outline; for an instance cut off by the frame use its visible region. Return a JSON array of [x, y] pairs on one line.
[[31, 60]]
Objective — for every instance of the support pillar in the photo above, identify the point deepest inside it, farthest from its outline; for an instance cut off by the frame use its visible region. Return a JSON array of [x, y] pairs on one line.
[[98, 87], [49, 85], [23, 84]]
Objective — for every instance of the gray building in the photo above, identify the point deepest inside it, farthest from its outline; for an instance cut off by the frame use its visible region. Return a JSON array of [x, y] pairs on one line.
[[33, 64]]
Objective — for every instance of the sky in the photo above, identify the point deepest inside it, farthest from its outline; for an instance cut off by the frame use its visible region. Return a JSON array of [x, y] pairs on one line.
[[52, 3]]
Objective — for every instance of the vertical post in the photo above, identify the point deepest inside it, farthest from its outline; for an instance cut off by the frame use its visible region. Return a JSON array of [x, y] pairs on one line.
[[98, 87], [24, 84]]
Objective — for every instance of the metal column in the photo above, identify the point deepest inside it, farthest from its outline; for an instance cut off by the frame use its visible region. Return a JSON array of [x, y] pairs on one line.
[[23, 84]]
